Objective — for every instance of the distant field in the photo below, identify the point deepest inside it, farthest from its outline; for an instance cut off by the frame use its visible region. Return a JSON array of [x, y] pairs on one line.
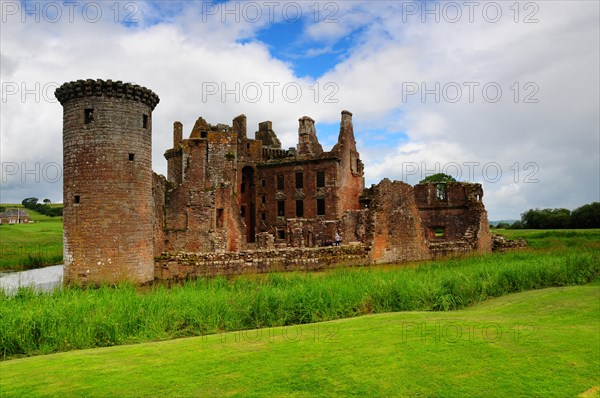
[[540, 343], [32, 245]]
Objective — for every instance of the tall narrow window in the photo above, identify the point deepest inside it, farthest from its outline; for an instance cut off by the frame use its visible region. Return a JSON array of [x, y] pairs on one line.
[[320, 179], [145, 121], [299, 180], [220, 218], [263, 199], [281, 234], [131, 157], [280, 182], [77, 199], [88, 116], [299, 208], [281, 208], [320, 207]]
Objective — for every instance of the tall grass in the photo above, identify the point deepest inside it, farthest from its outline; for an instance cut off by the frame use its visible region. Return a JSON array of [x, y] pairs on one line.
[[36, 323]]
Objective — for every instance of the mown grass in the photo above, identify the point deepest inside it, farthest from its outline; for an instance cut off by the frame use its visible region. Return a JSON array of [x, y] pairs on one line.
[[33, 245], [36, 323], [541, 343]]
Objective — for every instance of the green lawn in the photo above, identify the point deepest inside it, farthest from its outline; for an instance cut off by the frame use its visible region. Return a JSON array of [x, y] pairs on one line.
[[543, 343], [31, 245]]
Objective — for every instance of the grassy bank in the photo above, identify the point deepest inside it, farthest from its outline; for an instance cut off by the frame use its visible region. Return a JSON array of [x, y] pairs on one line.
[[541, 343], [34, 323], [33, 245]]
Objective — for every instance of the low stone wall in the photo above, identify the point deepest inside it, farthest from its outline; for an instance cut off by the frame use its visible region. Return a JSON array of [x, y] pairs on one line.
[[500, 243], [192, 265]]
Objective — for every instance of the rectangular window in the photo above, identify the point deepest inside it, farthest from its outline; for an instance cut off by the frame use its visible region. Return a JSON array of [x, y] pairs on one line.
[[77, 199], [262, 182], [88, 116], [439, 232], [263, 216], [320, 179], [281, 234], [145, 121], [219, 218], [320, 207], [263, 199], [131, 157], [280, 183], [299, 180], [203, 134], [281, 208], [299, 208]]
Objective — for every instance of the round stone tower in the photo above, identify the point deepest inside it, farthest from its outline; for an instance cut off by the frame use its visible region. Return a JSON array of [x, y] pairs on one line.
[[107, 181]]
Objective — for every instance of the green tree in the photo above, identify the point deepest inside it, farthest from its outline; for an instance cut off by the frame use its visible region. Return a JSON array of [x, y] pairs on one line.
[[439, 177], [29, 203], [586, 216], [46, 201]]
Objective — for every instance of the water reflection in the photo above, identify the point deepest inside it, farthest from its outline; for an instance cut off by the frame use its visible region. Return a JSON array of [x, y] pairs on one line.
[[42, 279]]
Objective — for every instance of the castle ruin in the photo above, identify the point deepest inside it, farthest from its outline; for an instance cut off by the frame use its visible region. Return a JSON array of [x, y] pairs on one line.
[[232, 204]]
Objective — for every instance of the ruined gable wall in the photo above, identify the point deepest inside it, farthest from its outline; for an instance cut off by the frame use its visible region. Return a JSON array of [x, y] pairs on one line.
[[394, 228], [459, 211]]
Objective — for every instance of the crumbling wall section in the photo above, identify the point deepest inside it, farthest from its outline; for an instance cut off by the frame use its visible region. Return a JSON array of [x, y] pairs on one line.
[[394, 228], [192, 265]]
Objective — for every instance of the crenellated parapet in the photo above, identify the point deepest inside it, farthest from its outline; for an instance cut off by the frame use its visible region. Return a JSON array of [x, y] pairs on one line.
[[107, 88]]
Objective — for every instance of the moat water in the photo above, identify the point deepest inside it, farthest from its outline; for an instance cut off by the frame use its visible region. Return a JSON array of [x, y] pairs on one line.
[[43, 279]]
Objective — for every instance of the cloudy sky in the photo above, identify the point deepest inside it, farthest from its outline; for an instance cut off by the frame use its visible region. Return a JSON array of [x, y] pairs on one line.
[[501, 93]]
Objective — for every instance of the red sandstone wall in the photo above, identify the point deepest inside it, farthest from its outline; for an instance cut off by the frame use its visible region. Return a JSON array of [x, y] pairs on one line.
[[108, 203], [394, 227]]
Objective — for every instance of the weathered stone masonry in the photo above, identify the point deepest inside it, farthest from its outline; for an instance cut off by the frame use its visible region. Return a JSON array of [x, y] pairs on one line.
[[232, 204]]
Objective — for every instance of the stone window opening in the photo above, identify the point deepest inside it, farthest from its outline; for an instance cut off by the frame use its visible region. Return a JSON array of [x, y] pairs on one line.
[[203, 134], [280, 182], [281, 234], [438, 232], [320, 179], [131, 157], [263, 182], [88, 115], [263, 199], [299, 180], [263, 216], [77, 199], [145, 121], [320, 207], [220, 218], [281, 208], [440, 192], [299, 208]]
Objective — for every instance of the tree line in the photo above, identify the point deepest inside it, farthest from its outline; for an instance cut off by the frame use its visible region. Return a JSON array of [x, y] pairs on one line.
[[586, 216], [42, 208]]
